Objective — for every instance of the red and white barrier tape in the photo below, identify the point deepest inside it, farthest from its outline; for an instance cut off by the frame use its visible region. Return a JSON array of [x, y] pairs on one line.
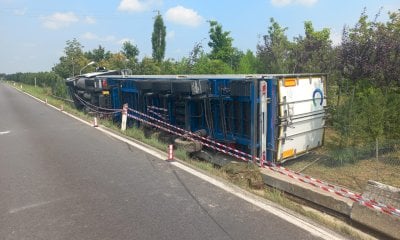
[[157, 108], [339, 190], [187, 137], [366, 202], [195, 135], [157, 114], [357, 195]]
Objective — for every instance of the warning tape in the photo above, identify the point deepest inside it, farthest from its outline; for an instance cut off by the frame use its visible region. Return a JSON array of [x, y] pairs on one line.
[[187, 137], [157, 108], [357, 195], [197, 136], [157, 114], [365, 202], [338, 190]]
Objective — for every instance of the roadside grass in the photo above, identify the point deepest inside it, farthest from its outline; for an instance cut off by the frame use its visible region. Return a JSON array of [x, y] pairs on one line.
[[246, 176]]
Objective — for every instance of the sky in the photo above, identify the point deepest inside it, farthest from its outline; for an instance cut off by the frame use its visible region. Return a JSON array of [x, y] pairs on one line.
[[34, 33]]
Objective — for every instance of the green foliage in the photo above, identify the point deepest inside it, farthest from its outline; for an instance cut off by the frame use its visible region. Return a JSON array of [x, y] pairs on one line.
[[313, 53], [221, 46], [43, 79], [210, 66], [158, 39], [73, 61], [274, 53], [367, 113], [148, 66], [130, 51], [116, 61], [392, 115], [98, 55], [248, 63], [370, 50]]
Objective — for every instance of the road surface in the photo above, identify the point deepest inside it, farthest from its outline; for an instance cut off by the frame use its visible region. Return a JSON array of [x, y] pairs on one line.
[[62, 179]]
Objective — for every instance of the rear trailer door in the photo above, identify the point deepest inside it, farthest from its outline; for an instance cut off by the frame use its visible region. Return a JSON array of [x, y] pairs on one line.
[[302, 102]]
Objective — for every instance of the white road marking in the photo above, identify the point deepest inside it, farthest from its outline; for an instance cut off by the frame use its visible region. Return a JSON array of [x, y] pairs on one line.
[[4, 133], [16, 210], [312, 229]]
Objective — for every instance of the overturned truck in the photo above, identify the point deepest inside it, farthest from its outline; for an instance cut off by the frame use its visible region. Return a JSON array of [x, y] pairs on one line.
[[266, 117]]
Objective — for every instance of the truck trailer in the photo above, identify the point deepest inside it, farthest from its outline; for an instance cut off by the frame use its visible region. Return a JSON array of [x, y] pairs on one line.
[[268, 117]]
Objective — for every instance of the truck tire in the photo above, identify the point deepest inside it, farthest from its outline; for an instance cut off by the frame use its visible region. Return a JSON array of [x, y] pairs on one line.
[[188, 146]]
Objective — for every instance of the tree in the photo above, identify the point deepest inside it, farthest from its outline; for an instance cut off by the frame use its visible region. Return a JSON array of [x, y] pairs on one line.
[[274, 53], [117, 61], [130, 51], [148, 66], [72, 61], [158, 39], [221, 44], [371, 50], [313, 52], [206, 65], [248, 63], [98, 55]]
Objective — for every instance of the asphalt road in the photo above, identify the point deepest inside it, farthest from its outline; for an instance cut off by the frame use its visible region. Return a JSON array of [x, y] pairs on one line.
[[62, 179]]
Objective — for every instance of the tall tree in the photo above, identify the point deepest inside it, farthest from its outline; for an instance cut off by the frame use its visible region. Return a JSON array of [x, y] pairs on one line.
[[313, 52], [72, 61], [158, 38], [371, 50], [220, 44], [274, 53]]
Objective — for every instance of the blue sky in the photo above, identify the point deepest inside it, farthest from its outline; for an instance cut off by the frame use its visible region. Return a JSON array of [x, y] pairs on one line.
[[34, 33]]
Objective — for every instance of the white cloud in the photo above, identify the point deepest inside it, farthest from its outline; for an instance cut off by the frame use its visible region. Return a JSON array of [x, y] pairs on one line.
[[94, 37], [20, 12], [59, 20], [171, 35], [108, 38], [137, 5], [90, 36], [283, 3], [123, 40], [90, 20], [184, 16]]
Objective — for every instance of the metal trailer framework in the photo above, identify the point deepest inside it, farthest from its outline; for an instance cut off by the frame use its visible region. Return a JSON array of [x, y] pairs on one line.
[[271, 117]]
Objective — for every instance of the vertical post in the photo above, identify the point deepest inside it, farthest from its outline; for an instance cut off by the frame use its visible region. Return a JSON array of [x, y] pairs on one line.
[[124, 117], [377, 149], [254, 118], [35, 81], [170, 153]]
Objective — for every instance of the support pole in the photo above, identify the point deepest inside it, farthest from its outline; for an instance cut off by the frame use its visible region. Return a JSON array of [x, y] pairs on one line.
[[170, 153], [124, 117]]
